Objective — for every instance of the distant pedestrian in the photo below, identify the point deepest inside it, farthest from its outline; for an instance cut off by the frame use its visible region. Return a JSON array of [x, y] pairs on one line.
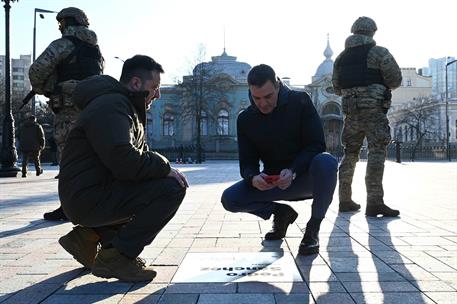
[[31, 142], [364, 74]]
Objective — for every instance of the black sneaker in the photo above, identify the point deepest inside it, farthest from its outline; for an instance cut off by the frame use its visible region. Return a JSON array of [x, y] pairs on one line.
[[56, 215], [348, 206], [381, 209], [39, 172], [24, 174], [284, 215]]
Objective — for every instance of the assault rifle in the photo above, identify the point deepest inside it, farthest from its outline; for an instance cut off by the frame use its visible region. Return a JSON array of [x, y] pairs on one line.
[[27, 98]]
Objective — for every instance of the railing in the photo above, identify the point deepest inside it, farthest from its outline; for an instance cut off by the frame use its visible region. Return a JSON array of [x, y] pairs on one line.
[[407, 152], [422, 153], [188, 154]]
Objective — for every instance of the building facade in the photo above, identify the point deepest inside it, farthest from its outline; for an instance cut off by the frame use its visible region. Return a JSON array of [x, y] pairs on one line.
[[19, 73], [414, 86], [213, 95], [437, 70], [174, 119], [170, 124]]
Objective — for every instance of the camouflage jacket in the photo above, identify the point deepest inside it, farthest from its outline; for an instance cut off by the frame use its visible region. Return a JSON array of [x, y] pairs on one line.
[[378, 58], [43, 71]]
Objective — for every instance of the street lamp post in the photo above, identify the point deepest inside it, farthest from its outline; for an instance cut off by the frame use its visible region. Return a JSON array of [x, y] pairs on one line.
[[8, 152], [37, 10], [448, 152]]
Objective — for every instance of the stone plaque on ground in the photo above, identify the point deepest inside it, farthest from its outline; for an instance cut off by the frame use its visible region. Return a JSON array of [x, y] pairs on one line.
[[237, 267]]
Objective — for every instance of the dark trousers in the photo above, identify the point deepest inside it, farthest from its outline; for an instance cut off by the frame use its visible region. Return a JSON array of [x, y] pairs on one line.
[[129, 215], [318, 183], [34, 156]]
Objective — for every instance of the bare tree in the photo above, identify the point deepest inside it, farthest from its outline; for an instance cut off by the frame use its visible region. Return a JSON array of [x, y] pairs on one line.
[[200, 93], [422, 118]]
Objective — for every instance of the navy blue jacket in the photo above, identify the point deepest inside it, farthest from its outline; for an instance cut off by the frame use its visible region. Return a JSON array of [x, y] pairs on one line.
[[288, 137]]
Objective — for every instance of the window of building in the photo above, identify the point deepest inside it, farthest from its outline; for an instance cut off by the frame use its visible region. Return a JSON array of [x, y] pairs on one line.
[[18, 70], [411, 133], [408, 82], [400, 134], [405, 131], [203, 123], [168, 124], [331, 108], [18, 77], [223, 122]]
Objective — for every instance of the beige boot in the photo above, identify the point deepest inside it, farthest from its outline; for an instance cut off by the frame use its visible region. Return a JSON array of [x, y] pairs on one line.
[[110, 263], [82, 244]]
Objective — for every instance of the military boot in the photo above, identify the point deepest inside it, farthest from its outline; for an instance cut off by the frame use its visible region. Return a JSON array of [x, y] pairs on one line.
[[56, 215], [348, 206], [82, 244], [310, 242], [381, 209], [284, 215], [110, 263]]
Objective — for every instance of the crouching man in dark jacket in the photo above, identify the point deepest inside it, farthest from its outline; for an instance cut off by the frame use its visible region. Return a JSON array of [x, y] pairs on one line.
[[111, 186], [282, 129]]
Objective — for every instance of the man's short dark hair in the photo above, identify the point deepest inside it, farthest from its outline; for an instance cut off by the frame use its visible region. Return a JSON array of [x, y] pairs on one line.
[[139, 66], [260, 74]]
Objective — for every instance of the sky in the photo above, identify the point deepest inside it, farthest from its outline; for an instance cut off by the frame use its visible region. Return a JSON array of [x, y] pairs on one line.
[[289, 35]]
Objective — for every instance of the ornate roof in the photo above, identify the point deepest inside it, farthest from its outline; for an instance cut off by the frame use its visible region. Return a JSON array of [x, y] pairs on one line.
[[225, 64], [326, 67]]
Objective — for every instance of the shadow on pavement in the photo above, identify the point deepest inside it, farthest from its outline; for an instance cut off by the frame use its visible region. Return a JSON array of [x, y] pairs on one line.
[[397, 291], [32, 225], [29, 201], [341, 262], [39, 291]]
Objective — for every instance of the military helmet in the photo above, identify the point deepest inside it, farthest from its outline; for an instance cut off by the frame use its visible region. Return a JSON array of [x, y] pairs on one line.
[[365, 26], [75, 13]]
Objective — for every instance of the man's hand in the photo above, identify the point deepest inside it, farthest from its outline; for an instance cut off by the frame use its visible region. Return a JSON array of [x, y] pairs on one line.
[[260, 183], [285, 179], [180, 177]]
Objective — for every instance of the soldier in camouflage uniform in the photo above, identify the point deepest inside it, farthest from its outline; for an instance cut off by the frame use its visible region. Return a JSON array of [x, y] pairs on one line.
[[56, 72], [364, 75]]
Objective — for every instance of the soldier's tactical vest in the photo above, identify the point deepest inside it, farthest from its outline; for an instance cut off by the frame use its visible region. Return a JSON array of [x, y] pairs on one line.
[[353, 69], [85, 60]]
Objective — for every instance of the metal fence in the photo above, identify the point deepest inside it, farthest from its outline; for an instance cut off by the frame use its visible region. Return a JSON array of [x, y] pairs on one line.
[[188, 154], [408, 152]]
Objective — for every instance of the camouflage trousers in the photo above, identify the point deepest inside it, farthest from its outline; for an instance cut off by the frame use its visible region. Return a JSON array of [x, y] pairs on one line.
[[358, 124], [64, 121]]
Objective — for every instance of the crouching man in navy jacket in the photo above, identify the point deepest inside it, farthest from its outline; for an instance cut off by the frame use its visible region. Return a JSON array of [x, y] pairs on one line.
[[282, 129]]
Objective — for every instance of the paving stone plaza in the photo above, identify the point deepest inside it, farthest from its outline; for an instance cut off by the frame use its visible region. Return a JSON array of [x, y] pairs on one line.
[[411, 259]]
